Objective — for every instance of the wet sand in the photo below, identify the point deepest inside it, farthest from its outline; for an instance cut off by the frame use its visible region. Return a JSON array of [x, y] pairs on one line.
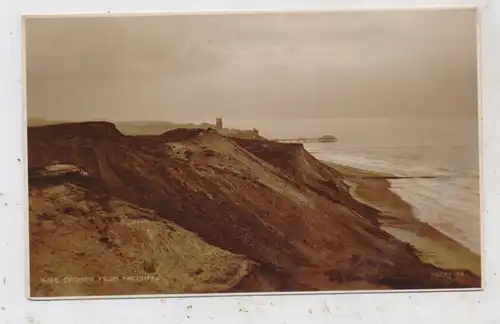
[[397, 218]]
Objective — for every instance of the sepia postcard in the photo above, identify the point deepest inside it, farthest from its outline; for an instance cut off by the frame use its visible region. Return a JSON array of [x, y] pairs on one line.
[[252, 152]]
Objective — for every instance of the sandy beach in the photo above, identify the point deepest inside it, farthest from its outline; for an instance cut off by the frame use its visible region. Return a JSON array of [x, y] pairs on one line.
[[397, 218]]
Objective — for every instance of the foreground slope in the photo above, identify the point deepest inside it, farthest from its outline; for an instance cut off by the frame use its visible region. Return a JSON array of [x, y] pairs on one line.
[[85, 242], [272, 202]]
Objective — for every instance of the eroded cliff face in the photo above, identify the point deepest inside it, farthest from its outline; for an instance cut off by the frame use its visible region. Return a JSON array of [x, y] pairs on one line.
[[95, 244], [271, 202]]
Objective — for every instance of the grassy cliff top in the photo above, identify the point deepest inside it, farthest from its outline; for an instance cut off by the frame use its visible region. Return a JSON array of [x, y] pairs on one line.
[[154, 127]]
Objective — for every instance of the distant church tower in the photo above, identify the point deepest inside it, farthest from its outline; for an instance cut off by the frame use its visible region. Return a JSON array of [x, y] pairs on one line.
[[218, 124]]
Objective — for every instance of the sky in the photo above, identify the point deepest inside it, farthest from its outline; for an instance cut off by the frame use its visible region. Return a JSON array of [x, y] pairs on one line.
[[255, 66]]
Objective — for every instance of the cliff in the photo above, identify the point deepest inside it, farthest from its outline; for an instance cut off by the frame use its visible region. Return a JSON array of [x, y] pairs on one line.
[[95, 244], [273, 203]]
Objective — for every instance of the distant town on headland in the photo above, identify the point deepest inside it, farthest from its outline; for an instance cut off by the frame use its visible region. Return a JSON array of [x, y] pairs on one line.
[[158, 127]]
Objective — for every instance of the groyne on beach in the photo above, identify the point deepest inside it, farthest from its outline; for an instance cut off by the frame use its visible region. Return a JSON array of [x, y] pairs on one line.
[[397, 218]]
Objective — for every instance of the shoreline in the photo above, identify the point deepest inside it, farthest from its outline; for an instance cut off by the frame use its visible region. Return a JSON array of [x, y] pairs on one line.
[[397, 218]]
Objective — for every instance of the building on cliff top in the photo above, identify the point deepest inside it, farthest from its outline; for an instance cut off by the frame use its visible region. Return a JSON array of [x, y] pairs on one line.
[[218, 124]]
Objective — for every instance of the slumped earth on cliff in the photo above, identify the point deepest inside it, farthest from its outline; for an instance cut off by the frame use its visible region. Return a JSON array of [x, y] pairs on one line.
[[149, 208]]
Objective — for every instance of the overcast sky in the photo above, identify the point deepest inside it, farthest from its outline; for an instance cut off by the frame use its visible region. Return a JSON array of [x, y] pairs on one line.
[[195, 67]]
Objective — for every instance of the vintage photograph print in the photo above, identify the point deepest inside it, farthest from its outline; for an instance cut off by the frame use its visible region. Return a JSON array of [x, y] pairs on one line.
[[252, 152]]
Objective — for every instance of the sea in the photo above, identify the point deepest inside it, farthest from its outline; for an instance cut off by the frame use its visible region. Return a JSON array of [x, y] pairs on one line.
[[444, 148]]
